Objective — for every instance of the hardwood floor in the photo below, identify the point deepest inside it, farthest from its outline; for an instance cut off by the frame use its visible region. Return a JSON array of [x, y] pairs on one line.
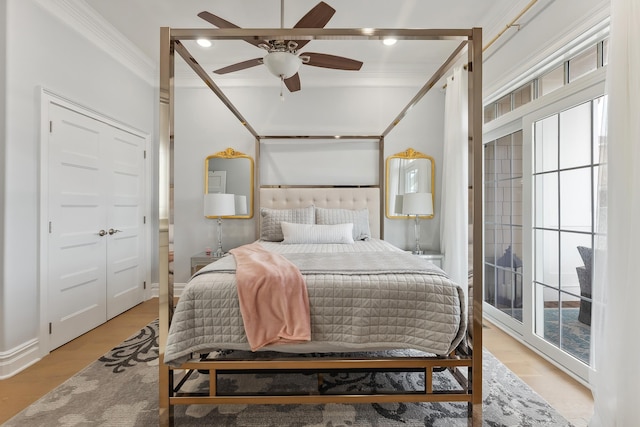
[[565, 394]]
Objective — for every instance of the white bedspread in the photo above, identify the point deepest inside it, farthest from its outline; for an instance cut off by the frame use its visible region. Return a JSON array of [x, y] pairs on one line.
[[389, 308]]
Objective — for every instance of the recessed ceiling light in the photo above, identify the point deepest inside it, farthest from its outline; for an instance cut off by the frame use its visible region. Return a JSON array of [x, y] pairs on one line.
[[389, 41], [204, 42]]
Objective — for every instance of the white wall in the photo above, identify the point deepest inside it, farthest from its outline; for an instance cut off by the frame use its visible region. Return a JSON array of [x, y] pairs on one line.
[[42, 51], [203, 126]]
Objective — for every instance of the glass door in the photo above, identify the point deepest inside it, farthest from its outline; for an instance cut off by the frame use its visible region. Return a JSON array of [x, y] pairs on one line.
[[565, 177], [503, 225]]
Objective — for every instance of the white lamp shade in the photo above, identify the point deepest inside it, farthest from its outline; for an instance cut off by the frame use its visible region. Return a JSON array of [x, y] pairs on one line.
[[417, 204], [282, 64], [241, 204], [219, 204]]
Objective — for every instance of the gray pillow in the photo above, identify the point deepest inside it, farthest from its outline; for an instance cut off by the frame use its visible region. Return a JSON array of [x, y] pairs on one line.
[[271, 218], [359, 218]]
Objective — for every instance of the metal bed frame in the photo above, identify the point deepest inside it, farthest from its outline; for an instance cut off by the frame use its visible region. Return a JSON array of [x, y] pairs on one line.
[[471, 392]]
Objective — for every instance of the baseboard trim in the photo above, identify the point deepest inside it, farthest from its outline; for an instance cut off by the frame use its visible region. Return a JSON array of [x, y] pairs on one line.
[[19, 358]]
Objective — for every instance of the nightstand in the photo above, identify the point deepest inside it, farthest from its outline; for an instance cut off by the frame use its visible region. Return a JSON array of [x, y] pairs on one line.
[[433, 257], [200, 260]]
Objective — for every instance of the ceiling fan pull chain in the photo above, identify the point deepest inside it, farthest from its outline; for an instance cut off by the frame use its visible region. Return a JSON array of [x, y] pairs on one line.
[[281, 88]]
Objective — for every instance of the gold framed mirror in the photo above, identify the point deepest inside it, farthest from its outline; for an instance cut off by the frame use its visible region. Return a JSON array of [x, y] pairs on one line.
[[408, 172], [231, 172]]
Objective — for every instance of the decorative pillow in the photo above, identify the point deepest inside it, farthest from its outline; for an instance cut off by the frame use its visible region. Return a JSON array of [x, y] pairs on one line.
[[314, 233], [271, 219], [359, 219]]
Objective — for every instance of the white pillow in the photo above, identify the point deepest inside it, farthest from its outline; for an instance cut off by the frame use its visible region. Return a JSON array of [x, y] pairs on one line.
[[314, 233], [359, 218]]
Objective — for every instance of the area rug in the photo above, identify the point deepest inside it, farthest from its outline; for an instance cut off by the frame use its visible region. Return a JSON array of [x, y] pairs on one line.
[[121, 389]]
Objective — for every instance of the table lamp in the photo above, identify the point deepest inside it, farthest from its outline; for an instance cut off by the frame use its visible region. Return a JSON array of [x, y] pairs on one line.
[[217, 205], [417, 204]]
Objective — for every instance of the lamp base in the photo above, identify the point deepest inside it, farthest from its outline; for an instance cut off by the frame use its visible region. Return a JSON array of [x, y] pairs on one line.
[[417, 252], [219, 253]]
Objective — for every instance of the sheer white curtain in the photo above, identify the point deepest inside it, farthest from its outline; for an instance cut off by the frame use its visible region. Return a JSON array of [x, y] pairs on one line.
[[455, 182], [615, 349]]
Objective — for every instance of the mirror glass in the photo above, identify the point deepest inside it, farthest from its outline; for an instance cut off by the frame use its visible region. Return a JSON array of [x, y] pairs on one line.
[[408, 172], [231, 172]]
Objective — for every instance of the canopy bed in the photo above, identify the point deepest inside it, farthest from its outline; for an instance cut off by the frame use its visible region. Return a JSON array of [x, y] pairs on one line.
[[458, 345]]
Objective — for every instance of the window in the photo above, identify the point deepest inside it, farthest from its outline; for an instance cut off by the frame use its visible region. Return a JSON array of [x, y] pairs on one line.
[[584, 63], [523, 95], [565, 176], [489, 113], [551, 81], [503, 105], [503, 224], [411, 176], [541, 169], [580, 65]]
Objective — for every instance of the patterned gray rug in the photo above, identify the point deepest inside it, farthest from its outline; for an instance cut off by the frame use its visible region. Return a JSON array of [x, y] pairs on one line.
[[121, 389]]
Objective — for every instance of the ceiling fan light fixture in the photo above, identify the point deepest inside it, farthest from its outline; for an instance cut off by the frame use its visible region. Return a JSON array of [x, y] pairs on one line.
[[282, 64]]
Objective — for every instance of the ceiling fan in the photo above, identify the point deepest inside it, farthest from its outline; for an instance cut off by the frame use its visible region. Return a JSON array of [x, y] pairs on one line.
[[282, 58]]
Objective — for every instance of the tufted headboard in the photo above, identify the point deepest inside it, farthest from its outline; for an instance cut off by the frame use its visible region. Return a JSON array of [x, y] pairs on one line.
[[326, 197]]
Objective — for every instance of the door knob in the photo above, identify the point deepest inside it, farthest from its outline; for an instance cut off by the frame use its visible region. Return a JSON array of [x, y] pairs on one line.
[[101, 233], [112, 231]]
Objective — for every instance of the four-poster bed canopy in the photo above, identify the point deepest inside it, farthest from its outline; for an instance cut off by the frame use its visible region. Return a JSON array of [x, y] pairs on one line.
[[470, 357]]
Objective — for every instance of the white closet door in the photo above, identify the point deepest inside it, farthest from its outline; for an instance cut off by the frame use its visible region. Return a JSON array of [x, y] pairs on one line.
[[125, 166], [96, 217], [217, 182], [77, 213]]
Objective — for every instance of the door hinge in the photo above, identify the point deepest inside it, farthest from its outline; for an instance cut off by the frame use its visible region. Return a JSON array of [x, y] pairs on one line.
[[144, 219], [50, 227], [50, 126], [145, 154], [144, 285], [50, 328]]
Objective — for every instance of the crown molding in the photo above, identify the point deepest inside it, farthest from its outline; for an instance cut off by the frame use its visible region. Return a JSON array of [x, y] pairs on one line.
[[93, 27]]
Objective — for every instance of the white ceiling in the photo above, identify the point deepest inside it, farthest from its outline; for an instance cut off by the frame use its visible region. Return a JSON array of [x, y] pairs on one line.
[[406, 63]]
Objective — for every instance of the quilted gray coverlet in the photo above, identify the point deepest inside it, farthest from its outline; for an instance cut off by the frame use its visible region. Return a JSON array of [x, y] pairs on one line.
[[369, 296]]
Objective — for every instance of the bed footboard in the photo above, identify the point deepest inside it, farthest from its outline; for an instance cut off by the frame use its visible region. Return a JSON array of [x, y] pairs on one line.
[[318, 367]]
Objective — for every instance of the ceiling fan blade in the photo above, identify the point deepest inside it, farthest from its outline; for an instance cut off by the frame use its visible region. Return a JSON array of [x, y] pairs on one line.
[[221, 23], [293, 83], [239, 66], [317, 17], [331, 61], [216, 20]]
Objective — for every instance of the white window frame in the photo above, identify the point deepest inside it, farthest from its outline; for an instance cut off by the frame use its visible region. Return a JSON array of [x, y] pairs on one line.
[[582, 90]]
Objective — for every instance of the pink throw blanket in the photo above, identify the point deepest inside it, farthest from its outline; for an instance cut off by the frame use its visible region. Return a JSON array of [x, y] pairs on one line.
[[273, 297]]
